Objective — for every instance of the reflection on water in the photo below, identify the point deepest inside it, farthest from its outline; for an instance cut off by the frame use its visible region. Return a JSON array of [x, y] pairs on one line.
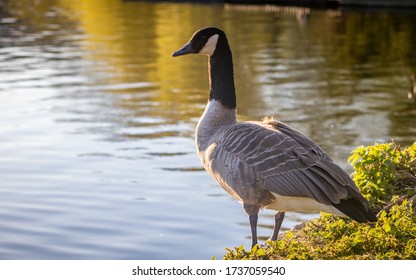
[[96, 132]]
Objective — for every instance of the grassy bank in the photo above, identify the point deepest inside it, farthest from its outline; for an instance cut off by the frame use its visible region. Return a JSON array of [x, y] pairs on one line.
[[386, 176]]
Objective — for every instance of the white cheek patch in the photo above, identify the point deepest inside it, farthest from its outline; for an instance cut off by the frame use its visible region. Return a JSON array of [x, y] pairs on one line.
[[210, 45]]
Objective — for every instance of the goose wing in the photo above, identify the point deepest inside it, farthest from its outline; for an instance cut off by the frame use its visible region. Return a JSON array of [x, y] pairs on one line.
[[288, 163]]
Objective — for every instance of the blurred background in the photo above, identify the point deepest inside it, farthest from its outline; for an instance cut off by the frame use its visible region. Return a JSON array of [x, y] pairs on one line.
[[97, 156]]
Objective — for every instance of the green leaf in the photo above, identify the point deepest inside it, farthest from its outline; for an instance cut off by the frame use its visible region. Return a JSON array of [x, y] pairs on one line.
[[387, 227]]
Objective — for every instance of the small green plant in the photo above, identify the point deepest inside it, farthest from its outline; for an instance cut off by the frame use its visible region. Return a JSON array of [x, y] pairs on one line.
[[383, 172], [386, 175]]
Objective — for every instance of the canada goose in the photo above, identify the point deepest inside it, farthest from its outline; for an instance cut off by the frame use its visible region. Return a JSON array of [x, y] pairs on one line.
[[264, 164]]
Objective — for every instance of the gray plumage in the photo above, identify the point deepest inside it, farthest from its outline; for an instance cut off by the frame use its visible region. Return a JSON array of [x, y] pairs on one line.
[[271, 157], [265, 164]]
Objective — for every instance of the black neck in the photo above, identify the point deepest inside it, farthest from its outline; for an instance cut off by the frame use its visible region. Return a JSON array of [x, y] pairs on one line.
[[221, 77]]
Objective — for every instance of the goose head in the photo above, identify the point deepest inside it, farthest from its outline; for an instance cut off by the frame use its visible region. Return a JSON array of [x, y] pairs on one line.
[[213, 42], [208, 41]]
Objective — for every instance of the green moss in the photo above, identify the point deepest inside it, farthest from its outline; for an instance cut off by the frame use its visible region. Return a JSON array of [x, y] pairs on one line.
[[386, 175]]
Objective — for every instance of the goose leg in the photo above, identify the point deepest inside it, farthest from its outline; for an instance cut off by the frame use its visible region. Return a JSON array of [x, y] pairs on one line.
[[253, 225], [252, 211], [278, 219]]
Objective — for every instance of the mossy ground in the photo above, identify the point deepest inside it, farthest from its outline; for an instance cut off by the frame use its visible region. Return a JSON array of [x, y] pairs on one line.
[[386, 176]]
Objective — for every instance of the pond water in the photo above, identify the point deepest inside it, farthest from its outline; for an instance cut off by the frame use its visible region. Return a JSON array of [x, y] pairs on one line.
[[97, 157]]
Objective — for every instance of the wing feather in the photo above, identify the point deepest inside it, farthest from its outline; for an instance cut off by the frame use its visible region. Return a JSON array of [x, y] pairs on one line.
[[285, 161]]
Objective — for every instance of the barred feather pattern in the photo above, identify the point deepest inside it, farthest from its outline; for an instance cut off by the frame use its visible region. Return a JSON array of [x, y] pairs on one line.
[[256, 162]]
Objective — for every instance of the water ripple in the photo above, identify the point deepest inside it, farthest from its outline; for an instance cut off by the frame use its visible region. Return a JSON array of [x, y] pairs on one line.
[[97, 120]]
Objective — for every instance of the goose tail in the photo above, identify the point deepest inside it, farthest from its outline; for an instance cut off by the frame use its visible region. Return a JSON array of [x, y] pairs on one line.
[[355, 210]]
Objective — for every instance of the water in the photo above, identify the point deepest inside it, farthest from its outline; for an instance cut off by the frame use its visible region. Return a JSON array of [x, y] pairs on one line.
[[96, 128]]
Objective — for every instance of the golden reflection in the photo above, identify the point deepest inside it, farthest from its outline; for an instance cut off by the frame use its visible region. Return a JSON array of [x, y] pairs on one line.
[[287, 60], [135, 40]]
